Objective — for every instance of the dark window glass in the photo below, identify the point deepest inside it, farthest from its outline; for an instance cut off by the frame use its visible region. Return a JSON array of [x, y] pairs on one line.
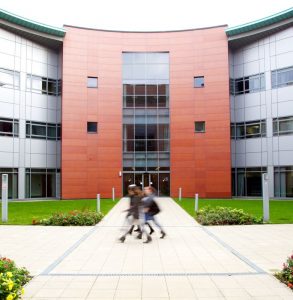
[[152, 131], [163, 145], [39, 130], [6, 128], [52, 132], [163, 131], [52, 87], [151, 101], [162, 89], [140, 131], [140, 145], [140, 89], [282, 77], [139, 101], [129, 101], [151, 89], [128, 131], [92, 82], [199, 81], [283, 126], [92, 127], [128, 89], [152, 145], [199, 126]]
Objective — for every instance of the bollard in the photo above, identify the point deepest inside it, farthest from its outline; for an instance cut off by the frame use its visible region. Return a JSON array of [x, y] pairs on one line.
[[98, 203], [113, 193], [196, 202], [4, 197], [180, 193], [265, 197]]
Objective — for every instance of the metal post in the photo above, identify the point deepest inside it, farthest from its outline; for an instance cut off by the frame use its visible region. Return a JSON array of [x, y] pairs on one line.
[[180, 194], [196, 202], [4, 197], [265, 197], [98, 203], [113, 193]]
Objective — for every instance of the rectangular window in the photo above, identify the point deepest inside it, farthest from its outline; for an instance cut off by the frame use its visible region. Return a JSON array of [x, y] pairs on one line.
[[247, 181], [9, 127], [283, 126], [9, 78], [283, 181], [199, 126], [246, 130], [248, 84], [43, 85], [199, 81], [92, 82], [282, 77], [39, 130], [40, 183], [92, 127]]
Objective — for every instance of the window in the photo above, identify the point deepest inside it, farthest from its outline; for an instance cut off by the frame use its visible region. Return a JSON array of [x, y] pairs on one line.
[[246, 130], [92, 127], [9, 127], [247, 181], [92, 82], [199, 81], [46, 131], [283, 181], [40, 183], [43, 85], [199, 126], [282, 77], [249, 84], [283, 126], [9, 78]]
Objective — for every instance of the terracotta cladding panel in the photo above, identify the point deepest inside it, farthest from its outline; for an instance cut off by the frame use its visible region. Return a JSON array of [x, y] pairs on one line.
[[195, 158]]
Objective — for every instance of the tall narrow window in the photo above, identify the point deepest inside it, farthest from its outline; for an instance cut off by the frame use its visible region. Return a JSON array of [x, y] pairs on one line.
[[92, 82], [199, 81], [92, 127]]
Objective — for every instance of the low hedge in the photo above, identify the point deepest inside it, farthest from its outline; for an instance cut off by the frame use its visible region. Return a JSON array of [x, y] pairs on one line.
[[286, 275], [12, 279], [225, 216], [72, 218]]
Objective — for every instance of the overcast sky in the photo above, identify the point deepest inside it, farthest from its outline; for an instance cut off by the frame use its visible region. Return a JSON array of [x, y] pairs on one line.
[[144, 15]]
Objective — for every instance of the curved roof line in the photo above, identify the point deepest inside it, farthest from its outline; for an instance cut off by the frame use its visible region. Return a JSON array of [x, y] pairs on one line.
[[27, 23], [140, 31], [283, 15]]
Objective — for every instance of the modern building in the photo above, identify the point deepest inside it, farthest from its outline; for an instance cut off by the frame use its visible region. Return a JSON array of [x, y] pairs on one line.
[[207, 110]]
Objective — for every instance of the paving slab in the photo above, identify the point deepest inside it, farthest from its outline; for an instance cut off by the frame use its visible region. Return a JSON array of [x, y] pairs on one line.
[[192, 262]]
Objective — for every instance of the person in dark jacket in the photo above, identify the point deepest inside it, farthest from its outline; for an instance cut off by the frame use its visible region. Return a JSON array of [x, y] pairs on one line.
[[151, 208], [134, 211]]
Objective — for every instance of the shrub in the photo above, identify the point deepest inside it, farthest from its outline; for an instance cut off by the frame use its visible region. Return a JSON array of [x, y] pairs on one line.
[[286, 275], [72, 218], [225, 216], [12, 279]]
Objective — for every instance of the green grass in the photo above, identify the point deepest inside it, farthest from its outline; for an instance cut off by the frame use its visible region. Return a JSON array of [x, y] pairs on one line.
[[22, 213], [281, 212]]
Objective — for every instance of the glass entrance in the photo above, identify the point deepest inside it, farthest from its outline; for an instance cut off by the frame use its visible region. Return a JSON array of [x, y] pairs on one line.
[[160, 181]]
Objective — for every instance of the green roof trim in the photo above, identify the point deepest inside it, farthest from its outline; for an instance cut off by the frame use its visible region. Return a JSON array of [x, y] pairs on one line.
[[283, 15], [43, 28]]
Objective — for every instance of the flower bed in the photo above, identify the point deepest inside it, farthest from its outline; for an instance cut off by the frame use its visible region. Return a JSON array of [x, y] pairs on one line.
[[225, 216], [12, 279], [286, 275], [72, 218]]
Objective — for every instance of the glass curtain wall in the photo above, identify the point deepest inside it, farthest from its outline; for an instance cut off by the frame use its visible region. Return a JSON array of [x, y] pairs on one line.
[[146, 138]]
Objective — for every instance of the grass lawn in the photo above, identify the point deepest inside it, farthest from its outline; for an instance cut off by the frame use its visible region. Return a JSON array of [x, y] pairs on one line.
[[281, 212], [22, 213]]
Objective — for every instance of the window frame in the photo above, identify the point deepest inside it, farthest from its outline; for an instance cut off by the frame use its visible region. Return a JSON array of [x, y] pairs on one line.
[[199, 77], [91, 123], [97, 82], [200, 122]]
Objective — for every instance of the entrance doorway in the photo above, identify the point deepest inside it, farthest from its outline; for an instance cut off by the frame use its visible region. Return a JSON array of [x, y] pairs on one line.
[[160, 181]]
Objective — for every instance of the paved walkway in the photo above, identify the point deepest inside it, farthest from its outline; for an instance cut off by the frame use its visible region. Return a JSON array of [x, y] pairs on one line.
[[192, 262]]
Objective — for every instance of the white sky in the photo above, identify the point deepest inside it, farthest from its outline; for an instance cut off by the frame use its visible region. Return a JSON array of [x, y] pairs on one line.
[[144, 15]]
